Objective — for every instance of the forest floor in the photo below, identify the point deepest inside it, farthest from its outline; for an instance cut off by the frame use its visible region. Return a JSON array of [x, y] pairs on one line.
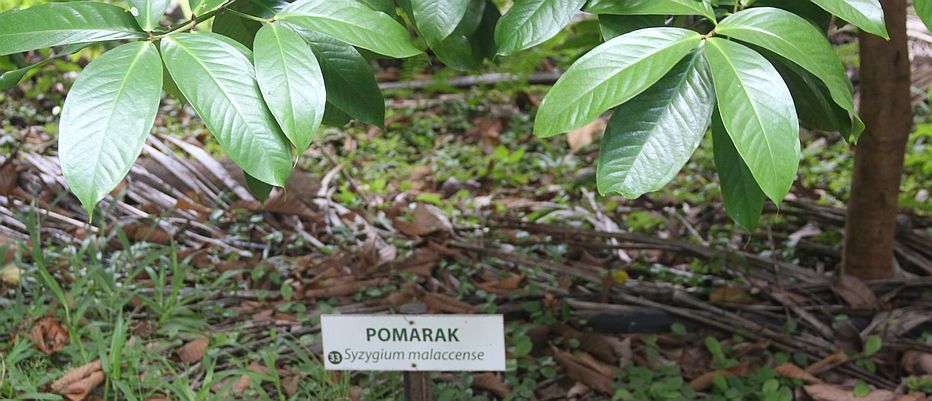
[[188, 288]]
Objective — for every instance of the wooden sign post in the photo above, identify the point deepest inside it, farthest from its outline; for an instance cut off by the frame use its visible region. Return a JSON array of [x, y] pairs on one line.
[[418, 386], [414, 343]]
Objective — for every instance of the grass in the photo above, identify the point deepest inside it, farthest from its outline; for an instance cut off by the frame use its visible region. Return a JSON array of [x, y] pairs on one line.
[[132, 305]]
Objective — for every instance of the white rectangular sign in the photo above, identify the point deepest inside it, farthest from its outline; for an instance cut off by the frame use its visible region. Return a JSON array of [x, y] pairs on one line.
[[414, 342]]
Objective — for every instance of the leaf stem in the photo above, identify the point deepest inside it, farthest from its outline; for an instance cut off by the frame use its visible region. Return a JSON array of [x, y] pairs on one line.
[[194, 21], [249, 17]]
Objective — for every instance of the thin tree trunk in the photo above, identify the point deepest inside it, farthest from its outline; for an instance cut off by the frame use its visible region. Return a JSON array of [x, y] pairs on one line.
[[878, 166]]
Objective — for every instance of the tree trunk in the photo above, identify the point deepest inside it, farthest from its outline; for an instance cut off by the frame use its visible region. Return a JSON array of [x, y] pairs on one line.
[[878, 164]]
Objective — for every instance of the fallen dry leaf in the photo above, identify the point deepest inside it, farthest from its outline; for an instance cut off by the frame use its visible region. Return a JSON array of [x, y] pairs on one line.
[[857, 294], [704, 381], [492, 383], [917, 363], [585, 135], [828, 392], [791, 371], [342, 290], [730, 295], [444, 303], [77, 383], [48, 336], [7, 249], [244, 382], [835, 358], [427, 219], [578, 390], [193, 351], [578, 371]]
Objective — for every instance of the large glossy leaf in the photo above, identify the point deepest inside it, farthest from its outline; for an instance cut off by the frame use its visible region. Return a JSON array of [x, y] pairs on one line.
[[257, 188], [531, 22], [924, 11], [652, 7], [201, 7], [148, 12], [865, 14], [352, 22], [610, 75], [385, 6], [651, 137], [458, 50], [743, 198], [9, 79], [613, 26], [758, 112], [235, 27], [220, 83], [437, 19], [106, 117], [55, 24], [351, 87], [795, 39], [808, 10], [291, 83], [814, 103], [483, 39]]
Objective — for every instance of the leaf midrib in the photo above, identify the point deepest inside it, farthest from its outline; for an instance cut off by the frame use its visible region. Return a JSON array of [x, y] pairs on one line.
[[666, 110], [239, 113], [116, 101], [753, 106], [588, 93], [286, 16], [281, 52]]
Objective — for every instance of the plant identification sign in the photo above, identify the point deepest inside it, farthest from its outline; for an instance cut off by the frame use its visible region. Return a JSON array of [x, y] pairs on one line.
[[414, 342]]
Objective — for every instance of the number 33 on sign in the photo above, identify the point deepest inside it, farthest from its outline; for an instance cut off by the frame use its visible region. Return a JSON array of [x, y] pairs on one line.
[[414, 342]]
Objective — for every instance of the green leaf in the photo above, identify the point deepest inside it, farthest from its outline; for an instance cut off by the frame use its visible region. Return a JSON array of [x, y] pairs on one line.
[[291, 83], [9, 79], [385, 6], [872, 346], [652, 7], [352, 22], [55, 24], [861, 389], [744, 200], [106, 117], [220, 83], [235, 27], [245, 51], [335, 117], [351, 87], [808, 10], [758, 112], [483, 40], [795, 39], [201, 7], [458, 50], [924, 11], [610, 75], [651, 137], [437, 19], [814, 103], [257, 188], [241, 29], [613, 26], [531, 22], [148, 13], [865, 14]]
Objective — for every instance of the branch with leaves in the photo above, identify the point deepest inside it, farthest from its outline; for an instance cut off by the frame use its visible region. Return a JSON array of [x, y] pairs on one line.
[[269, 73]]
